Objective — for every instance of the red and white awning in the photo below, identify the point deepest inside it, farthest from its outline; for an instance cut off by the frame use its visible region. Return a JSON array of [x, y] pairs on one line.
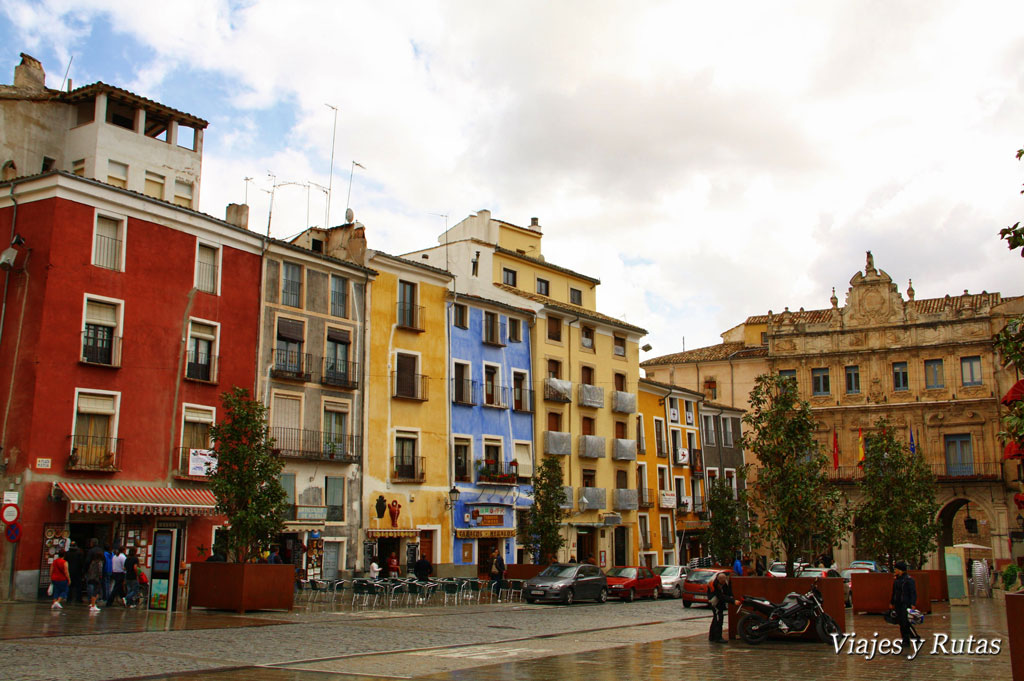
[[138, 500]]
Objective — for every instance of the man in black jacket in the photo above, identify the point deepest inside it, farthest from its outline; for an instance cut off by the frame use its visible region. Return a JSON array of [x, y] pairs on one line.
[[76, 567], [721, 597], [904, 596]]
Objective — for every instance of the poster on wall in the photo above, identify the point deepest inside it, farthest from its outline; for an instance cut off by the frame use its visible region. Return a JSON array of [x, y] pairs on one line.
[[314, 557], [201, 463]]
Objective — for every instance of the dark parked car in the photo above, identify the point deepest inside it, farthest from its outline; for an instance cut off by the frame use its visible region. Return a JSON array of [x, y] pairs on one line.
[[629, 582], [567, 583], [697, 586]]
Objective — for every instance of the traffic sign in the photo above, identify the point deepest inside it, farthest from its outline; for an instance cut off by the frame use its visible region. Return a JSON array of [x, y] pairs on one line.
[[10, 513], [13, 532]]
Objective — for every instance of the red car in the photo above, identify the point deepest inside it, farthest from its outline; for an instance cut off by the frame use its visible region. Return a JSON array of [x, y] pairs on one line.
[[697, 587], [629, 582]]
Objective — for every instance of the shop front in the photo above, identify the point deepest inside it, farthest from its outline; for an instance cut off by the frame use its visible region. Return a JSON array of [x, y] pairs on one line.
[[382, 542], [484, 542]]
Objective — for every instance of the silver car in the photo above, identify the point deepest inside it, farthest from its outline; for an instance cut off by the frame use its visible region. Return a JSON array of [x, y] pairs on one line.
[[672, 577], [567, 583]]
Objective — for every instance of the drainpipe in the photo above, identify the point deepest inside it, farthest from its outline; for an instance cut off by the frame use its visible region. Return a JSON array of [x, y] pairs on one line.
[[363, 417], [7, 274]]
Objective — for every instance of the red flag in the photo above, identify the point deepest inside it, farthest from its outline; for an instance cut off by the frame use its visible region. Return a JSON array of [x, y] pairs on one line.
[[835, 450]]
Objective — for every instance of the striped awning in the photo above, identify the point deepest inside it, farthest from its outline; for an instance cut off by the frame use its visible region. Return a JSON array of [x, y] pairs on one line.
[[138, 500], [384, 533]]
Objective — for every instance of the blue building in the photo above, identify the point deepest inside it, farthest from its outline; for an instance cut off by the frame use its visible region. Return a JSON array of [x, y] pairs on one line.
[[492, 407]]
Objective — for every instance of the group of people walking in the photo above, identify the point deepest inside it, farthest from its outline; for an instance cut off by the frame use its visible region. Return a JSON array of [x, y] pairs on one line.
[[98, 573]]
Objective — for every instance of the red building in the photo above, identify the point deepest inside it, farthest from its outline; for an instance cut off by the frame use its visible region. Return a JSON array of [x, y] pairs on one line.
[[124, 318]]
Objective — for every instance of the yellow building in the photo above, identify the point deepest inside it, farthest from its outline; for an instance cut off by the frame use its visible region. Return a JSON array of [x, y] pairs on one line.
[[585, 373], [670, 480]]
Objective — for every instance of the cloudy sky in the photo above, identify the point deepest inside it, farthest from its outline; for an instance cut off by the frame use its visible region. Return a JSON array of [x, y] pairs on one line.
[[706, 161]]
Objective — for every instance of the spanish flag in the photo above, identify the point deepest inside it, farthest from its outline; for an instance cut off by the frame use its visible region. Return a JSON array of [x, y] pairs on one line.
[[835, 450], [860, 447]]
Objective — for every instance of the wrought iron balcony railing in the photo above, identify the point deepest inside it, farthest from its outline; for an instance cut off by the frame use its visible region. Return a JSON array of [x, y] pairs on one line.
[[522, 400], [201, 367], [301, 443], [93, 453], [104, 351], [409, 316], [647, 497], [340, 374], [409, 386], [495, 396], [497, 472], [465, 391], [407, 469], [291, 365]]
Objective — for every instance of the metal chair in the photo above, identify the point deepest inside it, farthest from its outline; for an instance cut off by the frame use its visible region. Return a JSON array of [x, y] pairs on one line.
[[339, 589], [363, 592], [512, 590], [318, 588], [452, 591]]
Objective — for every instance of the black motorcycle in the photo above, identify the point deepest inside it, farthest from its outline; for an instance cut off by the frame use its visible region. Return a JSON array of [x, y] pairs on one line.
[[792, 617]]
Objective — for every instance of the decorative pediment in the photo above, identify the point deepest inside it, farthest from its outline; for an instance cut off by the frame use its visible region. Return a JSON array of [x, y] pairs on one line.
[[872, 299]]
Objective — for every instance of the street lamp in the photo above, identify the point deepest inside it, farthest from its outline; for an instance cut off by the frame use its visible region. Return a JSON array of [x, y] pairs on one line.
[[453, 497]]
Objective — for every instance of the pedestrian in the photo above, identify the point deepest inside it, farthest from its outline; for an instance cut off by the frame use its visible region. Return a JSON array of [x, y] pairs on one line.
[[423, 569], [904, 597], [737, 566], [117, 577], [275, 556], [497, 572], [393, 569], [762, 566], [375, 568], [108, 563], [979, 572], [572, 559], [94, 562], [131, 577], [60, 578], [590, 559], [76, 569], [721, 597]]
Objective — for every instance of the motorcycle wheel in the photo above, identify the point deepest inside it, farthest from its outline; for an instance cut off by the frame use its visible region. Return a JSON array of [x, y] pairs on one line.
[[825, 627], [746, 628]]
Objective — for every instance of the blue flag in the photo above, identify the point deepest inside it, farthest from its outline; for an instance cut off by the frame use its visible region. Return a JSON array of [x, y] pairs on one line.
[[913, 450]]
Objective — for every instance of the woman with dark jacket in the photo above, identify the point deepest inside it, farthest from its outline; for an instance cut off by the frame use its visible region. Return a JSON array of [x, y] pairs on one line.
[[721, 597]]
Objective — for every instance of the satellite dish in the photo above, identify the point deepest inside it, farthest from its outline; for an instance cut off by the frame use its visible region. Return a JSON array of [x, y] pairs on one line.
[[350, 216]]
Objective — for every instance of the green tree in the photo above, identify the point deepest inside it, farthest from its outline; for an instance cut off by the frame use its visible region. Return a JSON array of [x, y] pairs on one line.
[[795, 503], [727, 531], [1014, 234], [1009, 343], [246, 480], [541, 533], [896, 519]]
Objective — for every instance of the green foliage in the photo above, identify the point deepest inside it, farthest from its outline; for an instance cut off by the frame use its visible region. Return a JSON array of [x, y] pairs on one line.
[[728, 528], [1014, 235], [896, 520], [541, 534], [1010, 575], [795, 503], [246, 481]]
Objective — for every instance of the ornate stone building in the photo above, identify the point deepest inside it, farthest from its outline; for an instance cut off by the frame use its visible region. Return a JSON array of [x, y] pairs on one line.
[[928, 366]]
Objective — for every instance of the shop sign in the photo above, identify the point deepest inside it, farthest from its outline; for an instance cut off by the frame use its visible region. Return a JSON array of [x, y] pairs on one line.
[[485, 534], [200, 461], [492, 520], [311, 513], [666, 500], [42, 463], [10, 497]]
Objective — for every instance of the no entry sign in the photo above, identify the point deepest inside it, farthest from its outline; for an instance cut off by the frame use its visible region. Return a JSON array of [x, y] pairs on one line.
[[13, 532], [10, 513]]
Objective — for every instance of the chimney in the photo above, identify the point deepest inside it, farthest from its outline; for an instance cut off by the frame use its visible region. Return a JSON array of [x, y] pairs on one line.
[[535, 223], [29, 74], [238, 215]]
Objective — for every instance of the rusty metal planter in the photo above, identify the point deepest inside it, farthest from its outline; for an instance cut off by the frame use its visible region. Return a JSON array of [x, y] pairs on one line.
[[241, 586]]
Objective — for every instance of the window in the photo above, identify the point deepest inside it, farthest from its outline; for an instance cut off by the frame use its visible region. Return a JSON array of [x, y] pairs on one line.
[[726, 431], [788, 373], [587, 425], [620, 346], [659, 436], [707, 429], [934, 376], [688, 406], [819, 382], [460, 316], [663, 481], [85, 111], [339, 296], [673, 410], [183, 194], [48, 164], [492, 328], [492, 386], [524, 462], [621, 430], [959, 455], [407, 382], [666, 533], [508, 277], [316, 245], [587, 375], [288, 357], [107, 242], [187, 137], [554, 329], [515, 330], [206, 268], [154, 186], [288, 482], [78, 167], [554, 421], [522, 400], [575, 296], [94, 445], [195, 442], [645, 537], [120, 114], [462, 459], [408, 312], [589, 477], [406, 464], [900, 376], [970, 370], [852, 380], [587, 337], [202, 339], [543, 286], [157, 126], [337, 369], [641, 437], [554, 368], [764, 338], [117, 174], [677, 443], [335, 493], [335, 425], [691, 441], [620, 382], [100, 341], [291, 285]]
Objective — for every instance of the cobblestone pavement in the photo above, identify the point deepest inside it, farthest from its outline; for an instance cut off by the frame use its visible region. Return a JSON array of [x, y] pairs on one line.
[[644, 640]]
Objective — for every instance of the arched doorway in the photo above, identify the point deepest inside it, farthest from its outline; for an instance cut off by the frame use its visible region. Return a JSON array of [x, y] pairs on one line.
[[964, 522]]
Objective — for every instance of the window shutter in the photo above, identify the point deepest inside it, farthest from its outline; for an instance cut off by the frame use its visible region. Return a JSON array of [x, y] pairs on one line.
[[103, 314], [338, 335], [205, 331], [286, 412], [289, 329], [405, 380], [96, 404], [198, 415]]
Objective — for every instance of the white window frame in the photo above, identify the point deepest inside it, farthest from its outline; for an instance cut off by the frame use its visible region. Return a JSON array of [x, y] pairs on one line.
[[343, 549], [214, 347], [115, 418], [122, 231], [529, 448], [659, 427], [156, 178], [641, 436], [663, 473], [118, 330], [191, 194], [127, 173], [707, 430], [730, 475], [464, 438], [218, 252], [727, 439]]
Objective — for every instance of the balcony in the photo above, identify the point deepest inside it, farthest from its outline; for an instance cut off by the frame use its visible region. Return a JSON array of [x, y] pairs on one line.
[[495, 396], [192, 463], [591, 396], [645, 497], [661, 448], [494, 334], [624, 500], [623, 403], [407, 469], [645, 543], [522, 400], [557, 442], [409, 316], [497, 472], [668, 541], [985, 471], [291, 365], [465, 392], [696, 460], [101, 351], [340, 374], [567, 490], [624, 450], [92, 453], [592, 447], [201, 367], [557, 390], [300, 443], [593, 498], [409, 386], [683, 511]]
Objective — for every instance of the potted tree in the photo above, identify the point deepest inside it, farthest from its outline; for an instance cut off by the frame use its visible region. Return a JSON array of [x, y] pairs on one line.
[[245, 478]]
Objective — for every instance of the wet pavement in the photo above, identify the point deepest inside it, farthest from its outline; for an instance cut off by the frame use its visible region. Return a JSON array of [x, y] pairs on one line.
[[645, 640]]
